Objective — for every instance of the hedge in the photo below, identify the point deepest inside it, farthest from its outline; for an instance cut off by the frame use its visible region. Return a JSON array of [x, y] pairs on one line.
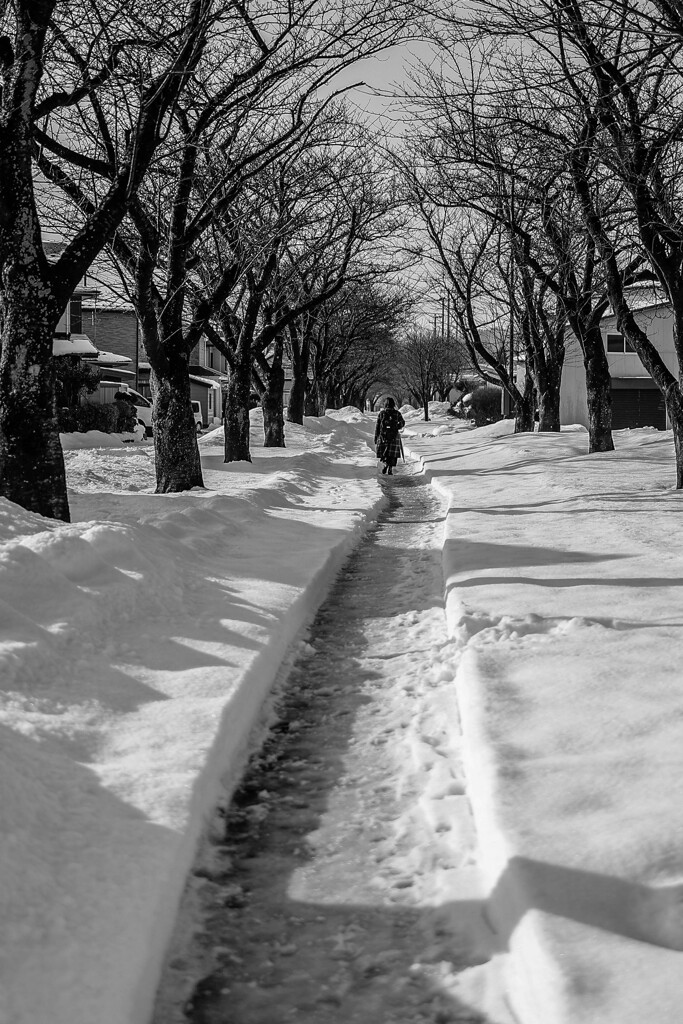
[[110, 417]]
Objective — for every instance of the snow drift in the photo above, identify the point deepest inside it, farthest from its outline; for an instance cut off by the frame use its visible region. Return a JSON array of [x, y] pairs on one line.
[[563, 574], [136, 647]]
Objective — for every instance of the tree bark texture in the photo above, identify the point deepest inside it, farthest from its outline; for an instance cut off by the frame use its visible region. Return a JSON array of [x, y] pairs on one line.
[[319, 398], [549, 407], [31, 461], [32, 472], [296, 403], [674, 407], [178, 464], [598, 393], [236, 408], [523, 406], [272, 401]]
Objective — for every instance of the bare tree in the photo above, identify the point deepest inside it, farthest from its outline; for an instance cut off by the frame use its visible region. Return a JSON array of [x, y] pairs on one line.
[[424, 360], [356, 341], [511, 129], [620, 65], [253, 95], [57, 59]]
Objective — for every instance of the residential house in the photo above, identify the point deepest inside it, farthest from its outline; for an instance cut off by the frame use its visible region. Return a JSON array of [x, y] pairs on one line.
[[636, 399], [208, 379], [102, 322], [110, 321]]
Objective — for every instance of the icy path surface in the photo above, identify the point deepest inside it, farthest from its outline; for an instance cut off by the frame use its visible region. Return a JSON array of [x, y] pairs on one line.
[[340, 885]]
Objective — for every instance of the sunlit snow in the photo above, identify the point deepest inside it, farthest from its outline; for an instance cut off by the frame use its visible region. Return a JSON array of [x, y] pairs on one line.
[[138, 642]]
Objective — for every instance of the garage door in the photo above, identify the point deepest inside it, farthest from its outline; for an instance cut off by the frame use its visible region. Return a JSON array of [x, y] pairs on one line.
[[638, 407]]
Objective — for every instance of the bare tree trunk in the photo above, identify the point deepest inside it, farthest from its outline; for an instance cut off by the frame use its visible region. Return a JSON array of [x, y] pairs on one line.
[[674, 407], [236, 407], [301, 350], [524, 408], [31, 461], [178, 463], [320, 398], [598, 393], [425, 406], [32, 470], [296, 403], [549, 405], [272, 401]]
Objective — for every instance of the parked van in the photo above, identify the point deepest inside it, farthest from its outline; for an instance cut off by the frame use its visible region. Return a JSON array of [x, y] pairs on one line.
[[197, 413]]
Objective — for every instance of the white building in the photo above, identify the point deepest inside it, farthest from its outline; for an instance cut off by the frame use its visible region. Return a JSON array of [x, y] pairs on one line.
[[636, 399]]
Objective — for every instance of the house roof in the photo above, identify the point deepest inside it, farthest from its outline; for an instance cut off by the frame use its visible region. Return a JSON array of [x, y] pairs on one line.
[[112, 359], [76, 345], [635, 308], [642, 297], [206, 381], [102, 287]]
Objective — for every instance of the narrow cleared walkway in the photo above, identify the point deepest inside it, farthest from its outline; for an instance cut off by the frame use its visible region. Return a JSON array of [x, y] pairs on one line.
[[342, 881]]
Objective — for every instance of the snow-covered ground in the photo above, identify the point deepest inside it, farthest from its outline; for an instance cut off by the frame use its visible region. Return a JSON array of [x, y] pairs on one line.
[[342, 884], [563, 575], [136, 646]]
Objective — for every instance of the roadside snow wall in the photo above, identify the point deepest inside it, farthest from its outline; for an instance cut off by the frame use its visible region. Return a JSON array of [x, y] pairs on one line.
[[563, 573], [137, 645]]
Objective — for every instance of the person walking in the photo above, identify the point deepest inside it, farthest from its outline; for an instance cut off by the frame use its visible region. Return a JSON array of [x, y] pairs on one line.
[[387, 440]]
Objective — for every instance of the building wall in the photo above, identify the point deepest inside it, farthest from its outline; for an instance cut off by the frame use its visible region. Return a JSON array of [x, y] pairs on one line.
[[573, 404], [658, 325], [210, 399], [204, 354], [626, 368], [114, 330]]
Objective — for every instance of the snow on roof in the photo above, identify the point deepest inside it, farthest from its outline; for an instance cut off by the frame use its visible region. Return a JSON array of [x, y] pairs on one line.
[[208, 382], [112, 294], [76, 345], [640, 298], [112, 359]]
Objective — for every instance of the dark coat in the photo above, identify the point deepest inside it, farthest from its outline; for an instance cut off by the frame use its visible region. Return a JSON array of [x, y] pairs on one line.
[[387, 441]]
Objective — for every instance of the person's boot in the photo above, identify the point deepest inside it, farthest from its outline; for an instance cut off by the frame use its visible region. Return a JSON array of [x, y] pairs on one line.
[[390, 472], [384, 469]]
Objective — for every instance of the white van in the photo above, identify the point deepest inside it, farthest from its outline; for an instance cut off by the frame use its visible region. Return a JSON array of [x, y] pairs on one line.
[[143, 407], [197, 413]]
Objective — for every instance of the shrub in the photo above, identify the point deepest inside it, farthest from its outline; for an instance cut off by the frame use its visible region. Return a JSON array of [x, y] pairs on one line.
[[73, 378], [110, 418], [484, 405]]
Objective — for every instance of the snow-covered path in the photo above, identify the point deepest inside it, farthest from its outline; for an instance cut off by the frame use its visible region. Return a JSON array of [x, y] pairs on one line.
[[344, 887]]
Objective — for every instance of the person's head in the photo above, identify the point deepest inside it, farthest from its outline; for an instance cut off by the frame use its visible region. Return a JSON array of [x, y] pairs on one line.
[[389, 403]]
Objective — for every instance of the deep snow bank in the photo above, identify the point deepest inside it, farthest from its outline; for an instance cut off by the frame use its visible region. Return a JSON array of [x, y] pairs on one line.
[[563, 575], [136, 647]]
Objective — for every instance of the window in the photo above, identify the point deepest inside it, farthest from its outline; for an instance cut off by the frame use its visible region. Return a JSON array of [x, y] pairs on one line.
[[76, 315], [618, 343]]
